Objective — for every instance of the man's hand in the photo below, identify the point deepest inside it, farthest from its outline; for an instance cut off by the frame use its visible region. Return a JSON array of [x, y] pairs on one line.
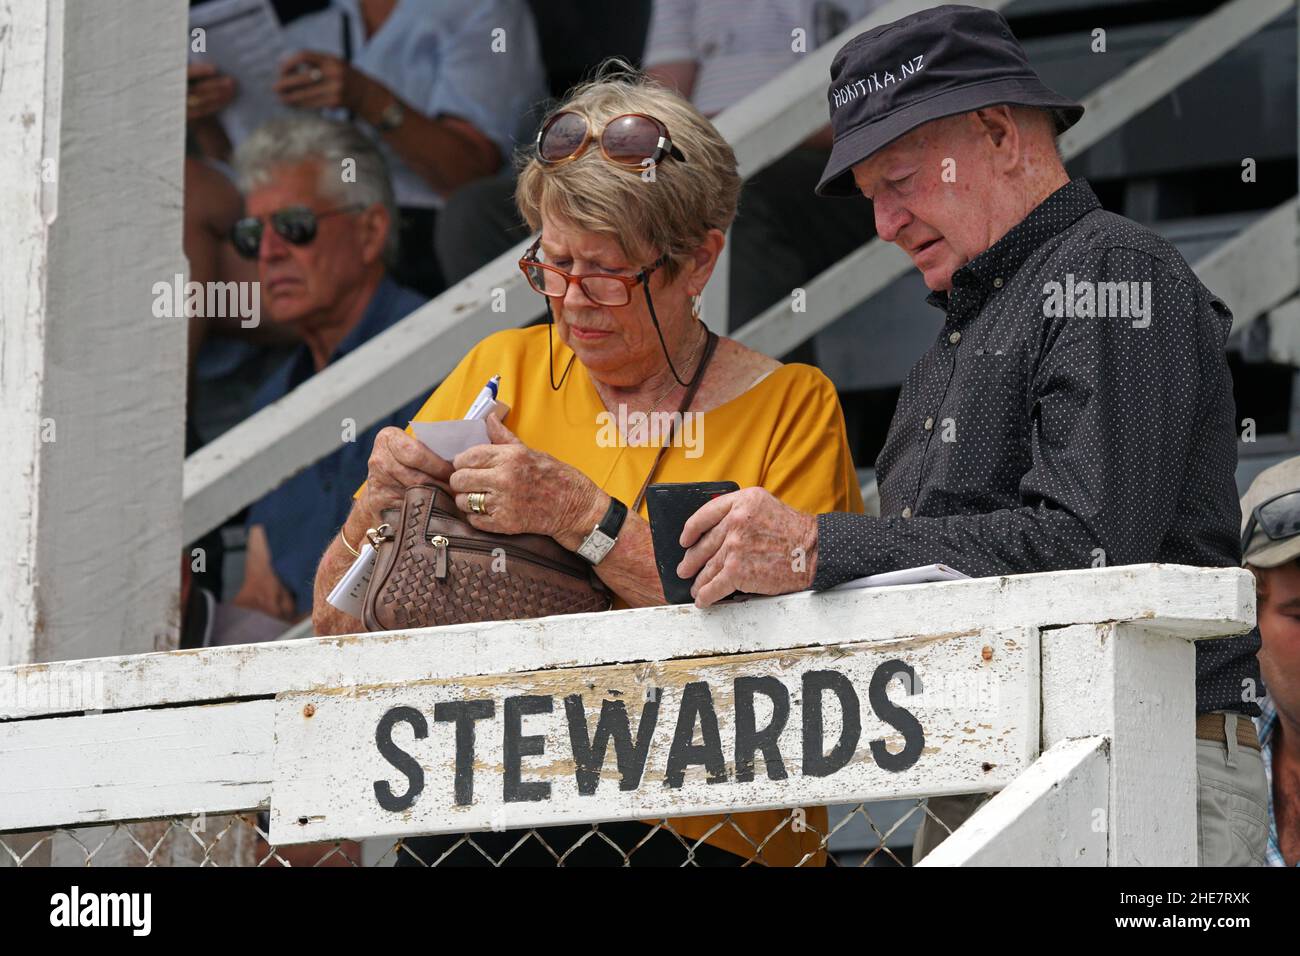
[[748, 541], [314, 80], [209, 91], [262, 590]]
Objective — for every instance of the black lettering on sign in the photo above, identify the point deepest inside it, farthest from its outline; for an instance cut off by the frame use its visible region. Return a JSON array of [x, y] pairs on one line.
[[589, 753], [897, 717], [464, 713], [399, 758], [748, 739], [515, 746], [697, 704], [816, 762]]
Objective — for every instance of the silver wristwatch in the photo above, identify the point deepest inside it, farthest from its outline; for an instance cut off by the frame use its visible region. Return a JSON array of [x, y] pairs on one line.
[[603, 537]]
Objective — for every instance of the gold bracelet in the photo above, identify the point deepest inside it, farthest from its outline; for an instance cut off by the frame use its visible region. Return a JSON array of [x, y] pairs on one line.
[[354, 551]]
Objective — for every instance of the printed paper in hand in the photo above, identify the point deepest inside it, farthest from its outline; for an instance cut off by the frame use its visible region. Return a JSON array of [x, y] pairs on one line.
[[244, 40], [351, 589]]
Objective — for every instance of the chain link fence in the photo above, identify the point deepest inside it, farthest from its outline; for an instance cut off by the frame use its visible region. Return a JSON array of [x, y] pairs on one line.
[[877, 834]]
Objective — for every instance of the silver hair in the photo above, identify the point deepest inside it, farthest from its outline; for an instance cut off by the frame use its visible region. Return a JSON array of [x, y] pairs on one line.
[[305, 138]]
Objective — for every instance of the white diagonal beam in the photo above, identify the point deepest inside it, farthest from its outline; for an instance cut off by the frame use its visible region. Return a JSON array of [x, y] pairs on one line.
[[1259, 267], [1044, 818]]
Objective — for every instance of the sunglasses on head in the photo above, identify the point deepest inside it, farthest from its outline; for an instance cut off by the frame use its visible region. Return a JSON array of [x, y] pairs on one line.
[[294, 224], [1278, 518], [631, 140]]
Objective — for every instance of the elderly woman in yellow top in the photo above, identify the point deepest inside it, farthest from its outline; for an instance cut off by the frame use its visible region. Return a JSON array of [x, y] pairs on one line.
[[632, 191]]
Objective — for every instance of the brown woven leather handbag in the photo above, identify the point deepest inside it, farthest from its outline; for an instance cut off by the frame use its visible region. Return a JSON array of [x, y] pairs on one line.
[[434, 568]]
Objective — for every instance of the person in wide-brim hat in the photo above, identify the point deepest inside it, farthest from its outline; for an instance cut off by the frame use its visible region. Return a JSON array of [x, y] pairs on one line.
[[931, 65]]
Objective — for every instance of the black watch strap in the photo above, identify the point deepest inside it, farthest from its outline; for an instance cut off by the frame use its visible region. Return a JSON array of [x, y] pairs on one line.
[[615, 515]]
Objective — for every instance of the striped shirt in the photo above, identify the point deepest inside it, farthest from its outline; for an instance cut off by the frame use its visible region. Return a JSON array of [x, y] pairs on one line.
[[738, 45], [1266, 723]]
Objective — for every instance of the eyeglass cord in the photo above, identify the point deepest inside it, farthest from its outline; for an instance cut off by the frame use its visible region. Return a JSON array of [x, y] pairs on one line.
[[550, 347]]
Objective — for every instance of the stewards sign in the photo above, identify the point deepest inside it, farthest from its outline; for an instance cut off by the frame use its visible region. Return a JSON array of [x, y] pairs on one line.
[[809, 725]]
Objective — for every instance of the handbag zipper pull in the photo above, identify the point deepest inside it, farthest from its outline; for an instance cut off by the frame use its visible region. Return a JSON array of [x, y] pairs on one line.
[[439, 543]]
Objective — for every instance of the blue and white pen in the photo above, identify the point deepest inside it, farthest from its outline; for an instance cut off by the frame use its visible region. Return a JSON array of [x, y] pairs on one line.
[[482, 406]]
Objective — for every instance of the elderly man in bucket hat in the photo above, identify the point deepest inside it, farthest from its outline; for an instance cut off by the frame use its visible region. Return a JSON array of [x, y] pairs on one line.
[[1075, 409], [1270, 540]]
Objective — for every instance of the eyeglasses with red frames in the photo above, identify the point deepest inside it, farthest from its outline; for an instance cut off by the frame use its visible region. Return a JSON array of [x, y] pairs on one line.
[[600, 287], [631, 140]]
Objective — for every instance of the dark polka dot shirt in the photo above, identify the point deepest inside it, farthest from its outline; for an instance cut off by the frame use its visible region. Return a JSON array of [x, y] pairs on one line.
[[1075, 411]]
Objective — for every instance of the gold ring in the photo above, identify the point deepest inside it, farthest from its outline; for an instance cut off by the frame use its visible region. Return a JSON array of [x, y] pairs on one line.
[[476, 502]]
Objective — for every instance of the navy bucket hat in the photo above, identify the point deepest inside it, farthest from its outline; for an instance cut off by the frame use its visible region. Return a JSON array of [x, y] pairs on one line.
[[939, 62]]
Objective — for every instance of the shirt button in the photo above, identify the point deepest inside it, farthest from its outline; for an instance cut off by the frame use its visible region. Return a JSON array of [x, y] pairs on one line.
[[954, 338], [907, 512], [997, 283], [929, 423]]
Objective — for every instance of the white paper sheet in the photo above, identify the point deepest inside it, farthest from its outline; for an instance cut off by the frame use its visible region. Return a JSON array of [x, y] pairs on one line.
[[244, 41], [449, 439], [923, 575]]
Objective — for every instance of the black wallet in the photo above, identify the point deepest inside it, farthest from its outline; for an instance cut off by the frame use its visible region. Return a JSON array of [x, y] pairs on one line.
[[671, 504]]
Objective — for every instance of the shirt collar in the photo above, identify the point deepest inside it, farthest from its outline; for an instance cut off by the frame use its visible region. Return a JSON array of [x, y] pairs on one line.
[[1045, 221], [375, 319]]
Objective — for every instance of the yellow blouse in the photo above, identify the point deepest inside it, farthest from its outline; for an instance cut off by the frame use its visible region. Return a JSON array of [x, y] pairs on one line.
[[785, 434]]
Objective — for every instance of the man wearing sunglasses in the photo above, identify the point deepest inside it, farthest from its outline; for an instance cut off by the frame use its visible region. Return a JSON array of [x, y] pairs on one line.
[[1270, 542], [322, 246]]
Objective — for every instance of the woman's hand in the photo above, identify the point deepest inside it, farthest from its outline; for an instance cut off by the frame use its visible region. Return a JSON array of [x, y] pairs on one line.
[[398, 461], [526, 491], [314, 80], [209, 91]]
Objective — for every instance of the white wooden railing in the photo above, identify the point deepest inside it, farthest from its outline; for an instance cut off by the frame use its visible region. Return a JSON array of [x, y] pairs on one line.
[[1072, 693]]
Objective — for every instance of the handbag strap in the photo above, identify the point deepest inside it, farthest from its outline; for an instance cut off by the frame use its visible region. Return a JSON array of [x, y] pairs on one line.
[[709, 348]]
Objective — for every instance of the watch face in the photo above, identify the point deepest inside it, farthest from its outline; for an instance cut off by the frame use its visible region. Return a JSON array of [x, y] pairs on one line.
[[597, 545]]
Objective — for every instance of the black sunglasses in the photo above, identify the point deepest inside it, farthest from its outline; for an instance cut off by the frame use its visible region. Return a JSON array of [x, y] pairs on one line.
[[294, 224], [1278, 518]]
